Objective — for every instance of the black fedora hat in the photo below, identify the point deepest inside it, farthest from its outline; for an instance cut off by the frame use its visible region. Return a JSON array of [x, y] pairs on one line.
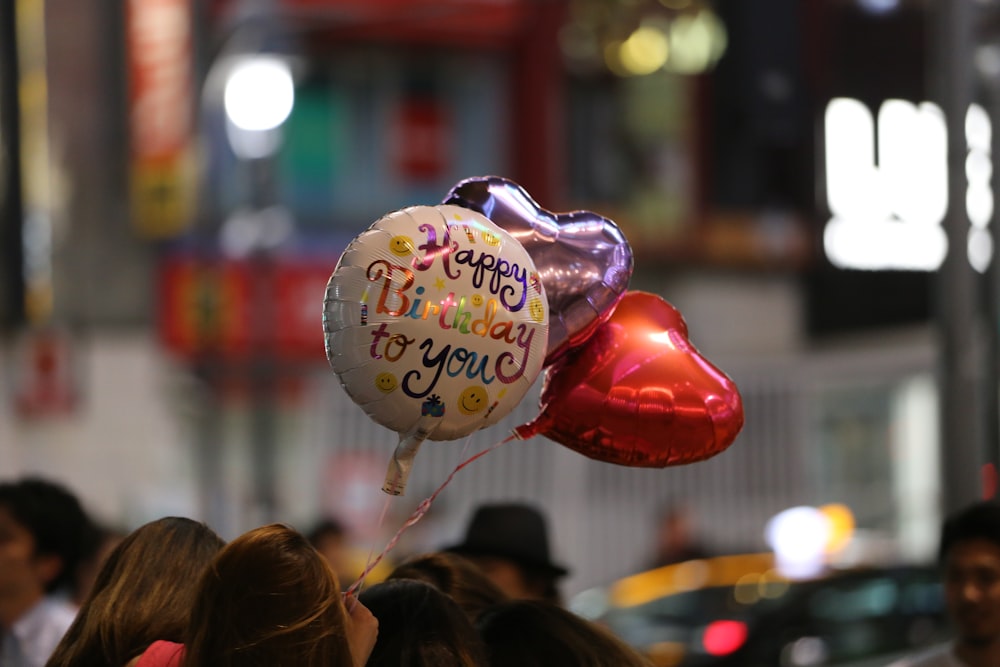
[[513, 531]]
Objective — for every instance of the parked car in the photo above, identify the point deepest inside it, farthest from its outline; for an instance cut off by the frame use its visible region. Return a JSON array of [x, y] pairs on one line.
[[737, 610]]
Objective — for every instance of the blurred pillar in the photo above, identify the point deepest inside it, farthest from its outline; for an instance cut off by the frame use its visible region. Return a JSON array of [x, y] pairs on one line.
[[37, 202], [991, 305], [256, 28], [262, 173], [11, 242], [538, 118], [208, 442], [958, 313]]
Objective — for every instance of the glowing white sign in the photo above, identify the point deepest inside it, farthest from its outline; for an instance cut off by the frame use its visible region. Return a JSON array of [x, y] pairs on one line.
[[979, 192], [888, 212]]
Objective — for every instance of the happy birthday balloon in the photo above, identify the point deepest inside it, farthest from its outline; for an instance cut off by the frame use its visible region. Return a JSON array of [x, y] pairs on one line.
[[638, 393], [436, 323], [583, 259]]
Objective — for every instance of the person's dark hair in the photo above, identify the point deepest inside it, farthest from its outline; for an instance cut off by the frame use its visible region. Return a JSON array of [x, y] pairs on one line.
[[536, 633], [979, 521], [56, 520], [456, 577], [543, 582], [328, 527], [419, 626], [144, 592], [539, 583], [515, 533], [268, 599]]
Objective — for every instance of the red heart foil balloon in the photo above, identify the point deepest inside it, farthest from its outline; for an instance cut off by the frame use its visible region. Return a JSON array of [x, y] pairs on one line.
[[638, 393], [583, 259]]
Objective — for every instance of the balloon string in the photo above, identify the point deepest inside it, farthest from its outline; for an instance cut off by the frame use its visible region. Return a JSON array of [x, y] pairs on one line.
[[418, 514], [381, 522], [349, 595], [385, 510]]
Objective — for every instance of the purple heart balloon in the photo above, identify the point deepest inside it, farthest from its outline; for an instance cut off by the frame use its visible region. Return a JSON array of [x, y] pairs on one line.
[[583, 259]]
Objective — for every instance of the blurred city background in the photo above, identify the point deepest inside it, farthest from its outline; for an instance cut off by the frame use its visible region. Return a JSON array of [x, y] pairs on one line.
[[809, 182]]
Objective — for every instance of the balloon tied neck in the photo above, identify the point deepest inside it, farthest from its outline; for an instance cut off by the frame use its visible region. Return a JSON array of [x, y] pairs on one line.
[[401, 462], [526, 431]]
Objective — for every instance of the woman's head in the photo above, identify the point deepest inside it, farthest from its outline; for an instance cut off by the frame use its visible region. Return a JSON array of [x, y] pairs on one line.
[[143, 592], [536, 633], [268, 599], [419, 626], [455, 576]]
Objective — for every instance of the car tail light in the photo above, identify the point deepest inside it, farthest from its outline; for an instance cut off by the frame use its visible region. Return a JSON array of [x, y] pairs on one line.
[[723, 637]]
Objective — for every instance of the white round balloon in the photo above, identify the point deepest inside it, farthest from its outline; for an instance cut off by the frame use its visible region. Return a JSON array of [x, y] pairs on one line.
[[435, 319]]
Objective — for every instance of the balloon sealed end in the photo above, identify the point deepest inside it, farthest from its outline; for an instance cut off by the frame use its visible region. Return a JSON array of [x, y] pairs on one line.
[[394, 487]]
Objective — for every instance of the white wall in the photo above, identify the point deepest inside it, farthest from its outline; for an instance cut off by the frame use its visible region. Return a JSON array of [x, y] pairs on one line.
[[123, 449]]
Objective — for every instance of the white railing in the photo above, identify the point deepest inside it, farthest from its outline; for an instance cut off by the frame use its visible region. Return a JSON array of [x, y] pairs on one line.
[[790, 452]]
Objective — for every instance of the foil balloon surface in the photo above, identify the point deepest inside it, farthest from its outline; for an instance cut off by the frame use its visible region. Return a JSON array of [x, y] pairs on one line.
[[435, 322], [638, 393], [584, 261]]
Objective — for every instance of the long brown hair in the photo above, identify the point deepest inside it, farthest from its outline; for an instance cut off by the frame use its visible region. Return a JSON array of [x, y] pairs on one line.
[[143, 592], [268, 599]]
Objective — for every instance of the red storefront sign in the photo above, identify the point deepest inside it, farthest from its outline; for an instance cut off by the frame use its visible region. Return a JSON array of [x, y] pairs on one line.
[[240, 309], [422, 145], [45, 378], [470, 23], [299, 291]]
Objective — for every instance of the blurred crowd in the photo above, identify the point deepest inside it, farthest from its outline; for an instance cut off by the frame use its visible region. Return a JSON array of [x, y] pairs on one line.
[[173, 592]]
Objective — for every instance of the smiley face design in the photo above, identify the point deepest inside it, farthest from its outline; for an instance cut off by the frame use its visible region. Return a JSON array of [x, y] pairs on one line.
[[386, 383], [477, 300], [536, 309], [401, 246], [472, 400]]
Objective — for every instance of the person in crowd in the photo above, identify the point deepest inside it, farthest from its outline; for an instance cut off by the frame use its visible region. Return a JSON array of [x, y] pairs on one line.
[[144, 592], [269, 599], [43, 530], [510, 543], [419, 626], [676, 538], [969, 555], [456, 577], [330, 538], [538, 633], [334, 541]]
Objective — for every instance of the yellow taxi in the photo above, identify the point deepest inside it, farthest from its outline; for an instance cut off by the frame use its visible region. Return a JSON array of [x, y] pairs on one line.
[[742, 610]]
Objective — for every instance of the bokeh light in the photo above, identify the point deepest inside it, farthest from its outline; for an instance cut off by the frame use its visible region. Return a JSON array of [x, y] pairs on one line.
[[799, 536], [645, 51], [259, 93], [841, 524]]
